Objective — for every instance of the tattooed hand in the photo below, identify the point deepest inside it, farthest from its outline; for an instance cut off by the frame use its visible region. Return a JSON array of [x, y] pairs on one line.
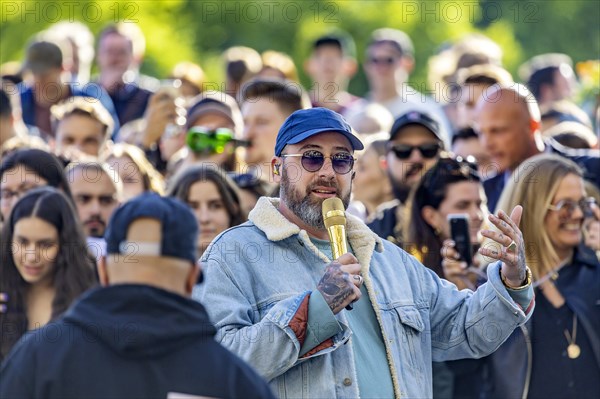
[[340, 285], [511, 250]]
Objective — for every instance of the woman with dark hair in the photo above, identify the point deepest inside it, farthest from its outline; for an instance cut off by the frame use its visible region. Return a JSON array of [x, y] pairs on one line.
[[26, 169], [213, 197], [451, 186], [44, 263]]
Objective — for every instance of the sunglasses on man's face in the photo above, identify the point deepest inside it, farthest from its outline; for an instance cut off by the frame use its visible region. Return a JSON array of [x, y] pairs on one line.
[[382, 60], [313, 160], [403, 151]]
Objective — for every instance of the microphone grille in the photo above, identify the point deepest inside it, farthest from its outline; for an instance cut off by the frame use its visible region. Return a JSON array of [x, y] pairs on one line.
[[333, 212]]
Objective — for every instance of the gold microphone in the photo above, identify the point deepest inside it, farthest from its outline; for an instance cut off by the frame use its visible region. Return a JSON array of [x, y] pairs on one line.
[[335, 222]]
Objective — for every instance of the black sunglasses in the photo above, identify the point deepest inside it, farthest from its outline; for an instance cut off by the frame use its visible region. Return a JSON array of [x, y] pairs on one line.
[[403, 151], [382, 60], [313, 161]]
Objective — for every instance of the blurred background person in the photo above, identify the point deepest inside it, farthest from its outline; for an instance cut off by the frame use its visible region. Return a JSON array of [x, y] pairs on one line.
[[81, 126], [44, 266], [465, 143], [213, 133], [331, 65], [473, 83], [388, 64], [451, 186], [45, 62], [251, 188], [555, 353], [549, 77], [277, 65], [415, 144], [213, 197], [573, 135], [147, 285], [134, 170], [80, 40], [370, 119], [192, 77], [120, 53], [508, 125], [560, 111], [241, 65], [26, 169], [265, 105], [97, 191], [371, 186]]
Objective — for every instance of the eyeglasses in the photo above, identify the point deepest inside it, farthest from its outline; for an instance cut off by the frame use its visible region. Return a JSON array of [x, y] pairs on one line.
[[8, 195], [382, 60], [202, 140], [567, 207], [403, 151], [313, 161]]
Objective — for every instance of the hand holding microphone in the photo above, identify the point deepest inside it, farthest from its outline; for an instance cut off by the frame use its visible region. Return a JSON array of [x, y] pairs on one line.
[[340, 286]]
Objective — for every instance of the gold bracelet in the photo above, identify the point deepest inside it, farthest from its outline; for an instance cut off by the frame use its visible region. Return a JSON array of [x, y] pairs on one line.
[[527, 282]]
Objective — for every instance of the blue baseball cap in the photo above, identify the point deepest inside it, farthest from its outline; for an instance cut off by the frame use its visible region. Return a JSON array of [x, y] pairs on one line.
[[178, 225], [305, 123]]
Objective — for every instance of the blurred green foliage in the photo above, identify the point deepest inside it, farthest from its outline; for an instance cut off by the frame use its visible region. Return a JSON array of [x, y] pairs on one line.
[[199, 31]]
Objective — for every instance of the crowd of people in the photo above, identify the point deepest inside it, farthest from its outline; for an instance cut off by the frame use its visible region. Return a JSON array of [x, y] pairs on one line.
[[163, 238]]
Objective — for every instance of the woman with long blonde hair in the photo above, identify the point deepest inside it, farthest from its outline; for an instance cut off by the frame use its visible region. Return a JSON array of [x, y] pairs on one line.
[[557, 352]]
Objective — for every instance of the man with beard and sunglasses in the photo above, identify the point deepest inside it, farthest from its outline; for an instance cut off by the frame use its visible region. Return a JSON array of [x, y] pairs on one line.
[[415, 145], [97, 191], [279, 301]]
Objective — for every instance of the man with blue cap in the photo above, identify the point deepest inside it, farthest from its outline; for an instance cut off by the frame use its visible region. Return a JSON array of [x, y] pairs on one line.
[[140, 336], [279, 301]]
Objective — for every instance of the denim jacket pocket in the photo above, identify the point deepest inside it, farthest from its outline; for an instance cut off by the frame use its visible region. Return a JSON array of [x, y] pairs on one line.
[[410, 316], [411, 350]]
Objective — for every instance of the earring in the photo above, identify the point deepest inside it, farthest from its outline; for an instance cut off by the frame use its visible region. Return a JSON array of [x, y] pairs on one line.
[[276, 169], [437, 231]]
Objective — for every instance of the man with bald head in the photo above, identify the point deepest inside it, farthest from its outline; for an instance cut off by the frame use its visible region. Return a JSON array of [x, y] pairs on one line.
[[508, 122]]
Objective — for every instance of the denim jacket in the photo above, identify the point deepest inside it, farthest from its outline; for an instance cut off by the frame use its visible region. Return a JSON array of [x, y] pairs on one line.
[[258, 273]]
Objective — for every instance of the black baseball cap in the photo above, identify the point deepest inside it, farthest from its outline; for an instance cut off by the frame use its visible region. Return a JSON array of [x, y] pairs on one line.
[[416, 118]]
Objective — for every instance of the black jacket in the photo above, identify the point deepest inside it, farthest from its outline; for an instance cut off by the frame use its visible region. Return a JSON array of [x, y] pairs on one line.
[[128, 341], [509, 368]]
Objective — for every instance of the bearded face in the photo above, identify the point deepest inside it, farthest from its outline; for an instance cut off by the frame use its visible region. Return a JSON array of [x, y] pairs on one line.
[[306, 205]]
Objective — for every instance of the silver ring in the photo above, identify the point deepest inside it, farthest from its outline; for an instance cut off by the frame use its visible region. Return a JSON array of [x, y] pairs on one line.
[[358, 278]]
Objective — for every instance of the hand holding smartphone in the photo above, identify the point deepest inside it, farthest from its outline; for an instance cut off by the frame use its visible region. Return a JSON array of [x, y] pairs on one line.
[[459, 230]]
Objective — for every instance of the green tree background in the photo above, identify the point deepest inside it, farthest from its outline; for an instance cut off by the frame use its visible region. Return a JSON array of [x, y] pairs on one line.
[[199, 31]]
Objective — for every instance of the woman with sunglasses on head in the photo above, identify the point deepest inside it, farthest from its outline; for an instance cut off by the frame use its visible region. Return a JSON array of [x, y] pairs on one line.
[[451, 186], [44, 263], [213, 197], [557, 352]]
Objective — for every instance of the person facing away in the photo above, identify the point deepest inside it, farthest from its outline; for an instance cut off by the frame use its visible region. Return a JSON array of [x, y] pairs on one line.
[[139, 336], [280, 302]]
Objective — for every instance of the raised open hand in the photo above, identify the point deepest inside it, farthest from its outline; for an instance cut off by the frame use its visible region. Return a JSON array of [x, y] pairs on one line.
[[508, 246]]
